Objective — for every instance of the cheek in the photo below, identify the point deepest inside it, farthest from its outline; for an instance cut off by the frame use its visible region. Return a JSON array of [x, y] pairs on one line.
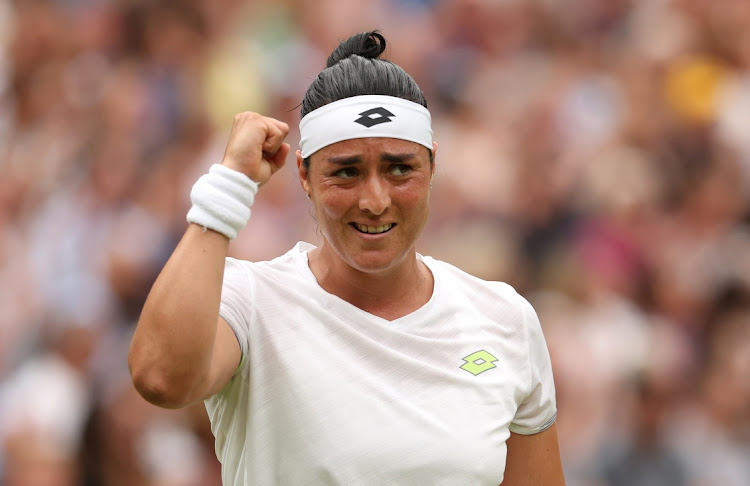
[[333, 203], [410, 197]]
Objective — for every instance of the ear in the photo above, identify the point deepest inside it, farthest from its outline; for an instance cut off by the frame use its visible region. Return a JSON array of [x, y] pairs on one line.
[[303, 175], [434, 157]]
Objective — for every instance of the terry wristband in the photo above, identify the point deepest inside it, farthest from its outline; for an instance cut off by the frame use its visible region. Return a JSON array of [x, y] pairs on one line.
[[221, 200]]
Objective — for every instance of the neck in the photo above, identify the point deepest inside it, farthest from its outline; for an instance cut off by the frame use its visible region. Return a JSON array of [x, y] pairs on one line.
[[389, 294]]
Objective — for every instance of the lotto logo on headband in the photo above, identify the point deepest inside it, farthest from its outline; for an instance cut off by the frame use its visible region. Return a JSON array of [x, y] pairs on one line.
[[374, 116], [391, 117]]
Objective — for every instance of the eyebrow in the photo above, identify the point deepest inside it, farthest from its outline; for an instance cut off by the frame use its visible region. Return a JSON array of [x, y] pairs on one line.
[[345, 160], [356, 159], [397, 158]]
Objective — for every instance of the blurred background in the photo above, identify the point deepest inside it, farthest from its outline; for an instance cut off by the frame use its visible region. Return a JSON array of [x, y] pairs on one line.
[[595, 154]]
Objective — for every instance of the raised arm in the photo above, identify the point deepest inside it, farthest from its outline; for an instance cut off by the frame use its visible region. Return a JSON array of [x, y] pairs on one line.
[[182, 351]]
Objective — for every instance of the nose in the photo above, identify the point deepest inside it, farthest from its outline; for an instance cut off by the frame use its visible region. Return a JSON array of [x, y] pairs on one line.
[[374, 197]]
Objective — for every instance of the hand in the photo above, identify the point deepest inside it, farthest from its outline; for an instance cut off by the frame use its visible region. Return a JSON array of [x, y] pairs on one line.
[[256, 146]]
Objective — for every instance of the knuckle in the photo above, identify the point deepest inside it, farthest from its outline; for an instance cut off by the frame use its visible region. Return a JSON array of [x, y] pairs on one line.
[[249, 115]]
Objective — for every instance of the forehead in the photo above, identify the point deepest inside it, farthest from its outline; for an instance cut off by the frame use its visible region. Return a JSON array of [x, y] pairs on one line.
[[370, 146]]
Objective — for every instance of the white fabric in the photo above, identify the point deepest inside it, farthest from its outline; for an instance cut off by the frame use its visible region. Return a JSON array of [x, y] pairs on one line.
[[221, 200], [327, 394], [364, 117]]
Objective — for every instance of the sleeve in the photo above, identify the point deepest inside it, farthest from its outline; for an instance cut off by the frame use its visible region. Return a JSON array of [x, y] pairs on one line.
[[538, 409], [235, 307]]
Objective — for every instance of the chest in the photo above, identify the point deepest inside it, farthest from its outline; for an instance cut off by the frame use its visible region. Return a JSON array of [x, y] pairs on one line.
[[346, 396]]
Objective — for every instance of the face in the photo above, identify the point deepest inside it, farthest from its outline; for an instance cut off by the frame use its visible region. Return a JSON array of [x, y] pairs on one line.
[[371, 200]]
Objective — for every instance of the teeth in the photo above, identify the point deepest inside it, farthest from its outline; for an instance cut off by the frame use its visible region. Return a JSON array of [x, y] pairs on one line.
[[373, 229]]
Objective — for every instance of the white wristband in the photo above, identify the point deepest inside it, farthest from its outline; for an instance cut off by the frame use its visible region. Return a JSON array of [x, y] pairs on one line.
[[221, 200]]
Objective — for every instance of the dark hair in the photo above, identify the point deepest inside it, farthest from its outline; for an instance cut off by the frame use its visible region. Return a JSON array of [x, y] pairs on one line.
[[354, 68]]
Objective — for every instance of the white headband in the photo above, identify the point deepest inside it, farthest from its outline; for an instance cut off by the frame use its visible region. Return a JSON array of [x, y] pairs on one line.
[[363, 117]]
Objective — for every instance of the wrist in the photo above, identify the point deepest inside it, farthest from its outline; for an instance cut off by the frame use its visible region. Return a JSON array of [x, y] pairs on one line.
[[221, 200], [238, 168]]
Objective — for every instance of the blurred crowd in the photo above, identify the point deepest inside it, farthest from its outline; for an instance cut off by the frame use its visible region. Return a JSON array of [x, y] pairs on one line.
[[595, 154]]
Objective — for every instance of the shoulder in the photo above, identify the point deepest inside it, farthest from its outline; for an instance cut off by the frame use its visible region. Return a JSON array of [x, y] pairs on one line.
[[480, 291], [283, 264], [285, 275]]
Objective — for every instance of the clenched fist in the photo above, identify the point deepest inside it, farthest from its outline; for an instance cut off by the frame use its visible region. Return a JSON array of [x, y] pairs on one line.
[[256, 146]]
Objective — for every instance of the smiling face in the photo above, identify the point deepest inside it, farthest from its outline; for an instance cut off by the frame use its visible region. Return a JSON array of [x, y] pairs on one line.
[[371, 200]]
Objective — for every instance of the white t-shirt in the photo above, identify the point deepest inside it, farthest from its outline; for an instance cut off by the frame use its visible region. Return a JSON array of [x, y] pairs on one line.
[[328, 394]]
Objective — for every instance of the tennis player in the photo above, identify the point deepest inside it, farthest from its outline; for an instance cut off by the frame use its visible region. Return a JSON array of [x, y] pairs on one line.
[[358, 362]]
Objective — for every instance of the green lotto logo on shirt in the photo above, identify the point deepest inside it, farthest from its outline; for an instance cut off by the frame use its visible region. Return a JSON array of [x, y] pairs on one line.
[[479, 362]]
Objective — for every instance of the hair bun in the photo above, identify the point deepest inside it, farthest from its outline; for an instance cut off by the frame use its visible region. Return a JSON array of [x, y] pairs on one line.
[[366, 44]]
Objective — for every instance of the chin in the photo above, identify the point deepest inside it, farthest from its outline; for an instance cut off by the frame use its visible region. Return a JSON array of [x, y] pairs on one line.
[[375, 262]]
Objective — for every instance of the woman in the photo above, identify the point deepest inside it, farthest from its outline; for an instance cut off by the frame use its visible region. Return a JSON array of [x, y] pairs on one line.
[[360, 361]]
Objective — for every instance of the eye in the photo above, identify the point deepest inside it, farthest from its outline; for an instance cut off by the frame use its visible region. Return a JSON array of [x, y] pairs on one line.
[[399, 169], [346, 173]]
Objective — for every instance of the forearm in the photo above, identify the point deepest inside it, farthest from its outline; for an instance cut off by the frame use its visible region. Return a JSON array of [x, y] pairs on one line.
[[171, 350]]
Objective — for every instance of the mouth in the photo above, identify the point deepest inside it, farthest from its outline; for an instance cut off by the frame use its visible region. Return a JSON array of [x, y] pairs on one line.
[[373, 230]]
